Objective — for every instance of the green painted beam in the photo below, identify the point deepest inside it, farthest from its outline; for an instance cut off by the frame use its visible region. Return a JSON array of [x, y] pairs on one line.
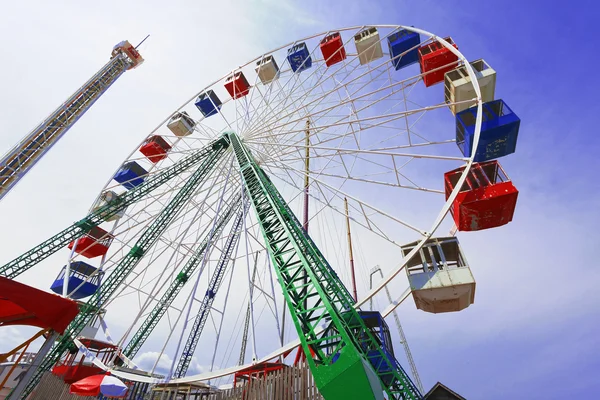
[[129, 262], [340, 365], [174, 289], [50, 246]]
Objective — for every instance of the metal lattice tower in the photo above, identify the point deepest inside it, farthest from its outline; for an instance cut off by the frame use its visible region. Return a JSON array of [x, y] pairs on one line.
[[211, 292], [409, 357], [340, 364], [144, 331], [247, 318], [124, 267], [50, 246], [22, 157]]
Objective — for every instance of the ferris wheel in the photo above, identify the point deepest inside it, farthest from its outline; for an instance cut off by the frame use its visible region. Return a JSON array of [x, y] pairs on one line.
[[345, 125]]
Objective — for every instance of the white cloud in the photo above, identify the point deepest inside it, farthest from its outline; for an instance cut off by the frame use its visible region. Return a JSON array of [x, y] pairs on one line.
[[147, 360]]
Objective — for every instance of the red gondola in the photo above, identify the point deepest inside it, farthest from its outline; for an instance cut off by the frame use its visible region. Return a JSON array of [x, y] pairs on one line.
[[487, 198]]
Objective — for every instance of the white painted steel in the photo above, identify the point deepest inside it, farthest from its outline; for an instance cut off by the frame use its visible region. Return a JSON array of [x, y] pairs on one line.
[[460, 93]]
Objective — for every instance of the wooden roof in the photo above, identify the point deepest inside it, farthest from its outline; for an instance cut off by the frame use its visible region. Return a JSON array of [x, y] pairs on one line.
[[441, 389]]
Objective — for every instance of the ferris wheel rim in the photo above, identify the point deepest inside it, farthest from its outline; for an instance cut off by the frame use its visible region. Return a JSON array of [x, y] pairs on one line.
[[456, 52], [438, 220]]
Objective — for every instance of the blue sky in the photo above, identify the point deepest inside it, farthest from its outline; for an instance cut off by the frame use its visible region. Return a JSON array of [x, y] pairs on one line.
[[532, 333]]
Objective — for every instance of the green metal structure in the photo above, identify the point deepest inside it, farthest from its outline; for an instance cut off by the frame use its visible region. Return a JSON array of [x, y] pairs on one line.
[[180, 280], [340, 365], [213, 287], [128, 263], [345, 357], [27, 260]]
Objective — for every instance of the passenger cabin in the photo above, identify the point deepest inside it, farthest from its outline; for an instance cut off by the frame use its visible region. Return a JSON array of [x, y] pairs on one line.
[[380, 330], [368, 45], [95, 243], [181, 124], [267, 69], [155, 148], [125, 48], [106, 198], [237, 85], [83, 280], [208, 103], [440, 278], [487, 198], [458, 87], [75, 367], [131, 175], [435, 60], [404, 48], [499, 131], [299, 57], [332, 49]]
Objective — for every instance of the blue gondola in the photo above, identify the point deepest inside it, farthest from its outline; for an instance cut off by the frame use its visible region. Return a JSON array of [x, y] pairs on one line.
[[379, 328], [131, 175], [299, 57], [400, 42], [208, 103], [499, 131], [80, 271]]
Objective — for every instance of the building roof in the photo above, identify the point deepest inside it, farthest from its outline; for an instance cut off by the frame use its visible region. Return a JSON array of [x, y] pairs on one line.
[[439, 389]]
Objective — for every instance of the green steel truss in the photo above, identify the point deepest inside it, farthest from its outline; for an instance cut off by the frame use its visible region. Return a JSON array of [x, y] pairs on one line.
[[128, 263], [340, 365], [213, 287], [27, 260], [182, 277]]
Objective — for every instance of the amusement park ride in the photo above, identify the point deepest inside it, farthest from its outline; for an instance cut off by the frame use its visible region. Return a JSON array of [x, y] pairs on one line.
[[342, 100], [21, 158]]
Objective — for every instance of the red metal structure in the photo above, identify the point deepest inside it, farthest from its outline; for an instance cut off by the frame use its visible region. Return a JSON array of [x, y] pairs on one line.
[[487, 199], [130, 51], [155, 148], [332, 48], [23, 305], [237, 85], [93, 244], [435, 57], [72, 370], [257, 371]]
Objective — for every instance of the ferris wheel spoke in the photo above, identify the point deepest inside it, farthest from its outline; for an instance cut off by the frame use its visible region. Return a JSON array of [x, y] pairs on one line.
[[317, 101], [326, 202], [303, 98], [341, 151], [119, 235], [388, 118], [158, 278], [249, 105], [341, 194], [173, 245], [296, 79]]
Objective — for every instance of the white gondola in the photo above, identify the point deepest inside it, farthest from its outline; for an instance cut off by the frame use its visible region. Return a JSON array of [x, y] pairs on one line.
[[368, 45], [181, 124], [104, 199], [439, 276], [267, 69], [458, 87]]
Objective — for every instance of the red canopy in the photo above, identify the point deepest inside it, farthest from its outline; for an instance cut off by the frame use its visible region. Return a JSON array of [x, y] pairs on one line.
[[23, 305]]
